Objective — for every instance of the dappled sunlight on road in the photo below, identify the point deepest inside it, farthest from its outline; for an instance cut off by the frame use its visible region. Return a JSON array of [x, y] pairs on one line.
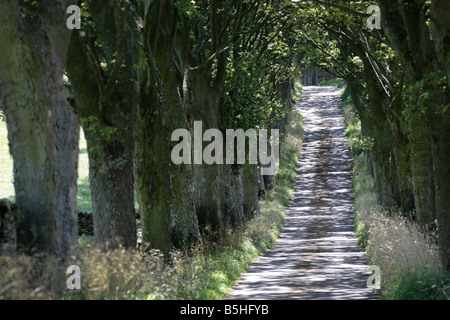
[[317, 255]]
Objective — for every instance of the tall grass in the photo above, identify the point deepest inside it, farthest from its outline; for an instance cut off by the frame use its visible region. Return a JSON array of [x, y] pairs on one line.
[[408, 258], [297, 92]]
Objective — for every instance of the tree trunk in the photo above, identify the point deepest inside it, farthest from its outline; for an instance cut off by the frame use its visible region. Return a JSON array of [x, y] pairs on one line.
[[106, 104], [207, 200], [231, 200], [441, 161], [43, 130], [381, 152], [185, 230], [165, 189], [111, 176], [8, 238], [422, 170], [261, 186], [401, 166], [152, 171], [440, 10], [382, 166], [207, 183], [250, 190]]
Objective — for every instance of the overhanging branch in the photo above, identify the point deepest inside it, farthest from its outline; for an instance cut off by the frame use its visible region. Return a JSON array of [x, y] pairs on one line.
[[343, 8]]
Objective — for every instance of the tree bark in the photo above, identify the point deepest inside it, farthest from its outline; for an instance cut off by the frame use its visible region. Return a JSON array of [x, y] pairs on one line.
[[165, 190], [250, 190], [106, 103], [440, 10], [231, 199], [204, 107], [8, 237], [441, 160], [43, 130], [152, 171], [381, 152], [403, 192]]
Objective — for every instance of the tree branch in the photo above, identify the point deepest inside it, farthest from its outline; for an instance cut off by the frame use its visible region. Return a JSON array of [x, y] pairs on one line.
[[121, 22], [342, 8]]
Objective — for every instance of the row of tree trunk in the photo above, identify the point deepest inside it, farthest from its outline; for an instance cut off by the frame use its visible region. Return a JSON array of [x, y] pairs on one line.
[[403, 105], [133, 79], [425, 54]]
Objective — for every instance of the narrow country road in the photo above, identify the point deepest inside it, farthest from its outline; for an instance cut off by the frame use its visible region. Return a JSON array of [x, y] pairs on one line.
[[316, 255]]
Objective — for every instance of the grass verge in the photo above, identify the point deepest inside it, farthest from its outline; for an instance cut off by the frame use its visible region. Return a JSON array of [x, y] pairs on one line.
[[408, 258], [297, 92]]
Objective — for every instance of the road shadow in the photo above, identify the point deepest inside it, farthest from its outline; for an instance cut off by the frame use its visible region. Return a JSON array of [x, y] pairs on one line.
[[317, 256]]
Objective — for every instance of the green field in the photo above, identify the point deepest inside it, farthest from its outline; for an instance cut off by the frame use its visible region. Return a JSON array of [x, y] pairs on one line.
[[6, 165], [83, 195]]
